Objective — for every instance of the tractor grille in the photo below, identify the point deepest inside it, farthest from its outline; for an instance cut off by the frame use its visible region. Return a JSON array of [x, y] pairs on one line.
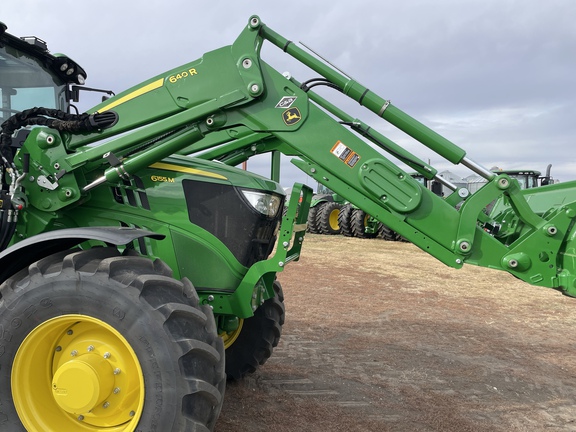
[[223, 211]]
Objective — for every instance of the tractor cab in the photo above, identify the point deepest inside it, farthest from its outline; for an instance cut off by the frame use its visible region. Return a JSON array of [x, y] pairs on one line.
[[31, 76]]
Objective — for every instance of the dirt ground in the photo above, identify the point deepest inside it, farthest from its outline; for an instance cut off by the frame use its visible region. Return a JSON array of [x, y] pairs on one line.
[[381, 337]]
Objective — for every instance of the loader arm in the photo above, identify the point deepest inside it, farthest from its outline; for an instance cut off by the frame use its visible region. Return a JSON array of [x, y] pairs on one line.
[[231, 105]]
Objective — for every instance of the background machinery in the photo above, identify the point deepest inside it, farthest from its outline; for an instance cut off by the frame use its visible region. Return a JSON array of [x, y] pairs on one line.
[[138, 266], [323, 217]]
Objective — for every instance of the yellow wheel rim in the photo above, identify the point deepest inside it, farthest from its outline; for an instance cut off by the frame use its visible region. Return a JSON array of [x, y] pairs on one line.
[[230, 338], [75, 372], [333, 219]]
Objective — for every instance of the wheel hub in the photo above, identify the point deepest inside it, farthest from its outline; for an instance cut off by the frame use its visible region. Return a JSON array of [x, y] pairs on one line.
[[81, 384]]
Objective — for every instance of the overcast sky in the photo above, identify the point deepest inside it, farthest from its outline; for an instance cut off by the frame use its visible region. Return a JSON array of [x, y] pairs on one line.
[[496, 77]]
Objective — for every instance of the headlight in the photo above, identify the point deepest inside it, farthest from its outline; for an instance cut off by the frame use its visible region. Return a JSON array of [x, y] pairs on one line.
[[267, 204]]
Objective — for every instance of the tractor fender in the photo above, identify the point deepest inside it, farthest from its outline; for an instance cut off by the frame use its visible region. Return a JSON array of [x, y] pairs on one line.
[[32, 249]]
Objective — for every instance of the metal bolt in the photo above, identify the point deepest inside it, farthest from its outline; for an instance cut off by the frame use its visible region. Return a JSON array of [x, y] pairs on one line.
[[458, 261], [254, 22], [80, 417], [209, 121], [117, 371], [58, 348], [247, 63], [105, 404], [90, 348], [464, 246], [56, 165], [106, 355], [552, 230], [210, 298], [116, 390], [132, 413], [312, 170], [280, 264], [49, 139], [503, 182], [74, 353], [255, 88], [285, 244], [513, 263], [69, 332]]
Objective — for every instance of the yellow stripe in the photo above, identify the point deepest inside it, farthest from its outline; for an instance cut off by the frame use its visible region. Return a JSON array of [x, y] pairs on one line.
[[142, 90], [178, 168]]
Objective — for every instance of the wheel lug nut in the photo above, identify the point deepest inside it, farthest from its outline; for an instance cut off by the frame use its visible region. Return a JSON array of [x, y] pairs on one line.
[[116, 390], [117, 371], [90, 348], [80, 417], [106, 404], [74, 353], [106, 355]]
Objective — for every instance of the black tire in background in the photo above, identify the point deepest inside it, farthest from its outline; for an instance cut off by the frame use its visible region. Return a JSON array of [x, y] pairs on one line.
[[172, 338], [344, 220], [358, 223], [387, 233], [312, 219], [258, 337], [327, 218]]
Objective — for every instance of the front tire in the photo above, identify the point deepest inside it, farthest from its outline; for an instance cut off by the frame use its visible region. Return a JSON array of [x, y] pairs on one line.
[[96, 341], [256, 337]]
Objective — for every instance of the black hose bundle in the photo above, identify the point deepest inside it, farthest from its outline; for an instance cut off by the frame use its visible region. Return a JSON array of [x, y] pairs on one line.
[[53, 118]]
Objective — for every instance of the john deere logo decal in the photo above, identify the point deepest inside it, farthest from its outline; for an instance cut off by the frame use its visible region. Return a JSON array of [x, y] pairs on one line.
[[291, 116]]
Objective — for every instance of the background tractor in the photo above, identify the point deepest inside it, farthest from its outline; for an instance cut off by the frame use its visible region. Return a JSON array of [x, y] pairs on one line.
[[325, 207]]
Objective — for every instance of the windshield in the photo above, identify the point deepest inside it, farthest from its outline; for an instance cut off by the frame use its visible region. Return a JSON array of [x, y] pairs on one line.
[[323, 189], [526, 181], [25, 83]]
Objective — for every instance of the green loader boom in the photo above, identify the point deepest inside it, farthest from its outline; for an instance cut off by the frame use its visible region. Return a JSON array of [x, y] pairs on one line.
[[135, 255]]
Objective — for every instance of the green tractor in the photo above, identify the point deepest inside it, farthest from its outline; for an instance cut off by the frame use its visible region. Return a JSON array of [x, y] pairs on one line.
[[138, 266], [325, 207]]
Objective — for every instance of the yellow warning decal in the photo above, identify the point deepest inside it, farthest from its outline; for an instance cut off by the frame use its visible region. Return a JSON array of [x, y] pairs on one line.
[[182, 169], [142, 90], [345, 154]]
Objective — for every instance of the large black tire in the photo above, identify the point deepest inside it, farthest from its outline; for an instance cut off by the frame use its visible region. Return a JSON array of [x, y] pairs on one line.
[[358, 223], [171, 339], [344, 220], [257, 337], [327, 218], [312, 220], [387, 233]]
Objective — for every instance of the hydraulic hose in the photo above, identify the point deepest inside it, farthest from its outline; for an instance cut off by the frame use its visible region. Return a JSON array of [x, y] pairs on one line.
[[53, 118]]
